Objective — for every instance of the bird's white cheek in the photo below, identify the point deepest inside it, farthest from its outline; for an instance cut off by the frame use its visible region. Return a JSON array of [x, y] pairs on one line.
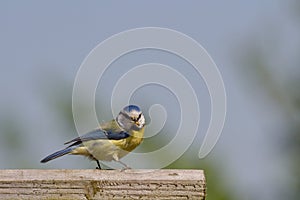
[[142, 122]]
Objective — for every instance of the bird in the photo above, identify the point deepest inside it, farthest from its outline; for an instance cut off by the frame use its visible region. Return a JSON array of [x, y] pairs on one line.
[[111, 141]]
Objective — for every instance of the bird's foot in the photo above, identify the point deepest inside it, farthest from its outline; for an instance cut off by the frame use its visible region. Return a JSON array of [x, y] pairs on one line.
[[125, 168]]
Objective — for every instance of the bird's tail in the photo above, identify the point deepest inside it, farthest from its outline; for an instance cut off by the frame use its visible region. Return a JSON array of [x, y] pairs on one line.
[[57, 154]]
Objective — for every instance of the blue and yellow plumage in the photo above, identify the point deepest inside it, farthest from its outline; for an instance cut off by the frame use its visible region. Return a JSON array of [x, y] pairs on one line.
[[111, 141]]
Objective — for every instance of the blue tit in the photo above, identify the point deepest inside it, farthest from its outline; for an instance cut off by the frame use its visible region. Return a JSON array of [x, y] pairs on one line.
[[111, 141]]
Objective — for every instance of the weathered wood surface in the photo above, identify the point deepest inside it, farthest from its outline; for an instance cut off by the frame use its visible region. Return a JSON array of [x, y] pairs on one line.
[[102, 184]]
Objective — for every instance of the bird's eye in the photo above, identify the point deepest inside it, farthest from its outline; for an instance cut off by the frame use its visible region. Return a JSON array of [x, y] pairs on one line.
[[136, 119], [139, 117]]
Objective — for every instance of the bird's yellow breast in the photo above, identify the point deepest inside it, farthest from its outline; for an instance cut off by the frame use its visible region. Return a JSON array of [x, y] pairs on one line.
[[130, 143]]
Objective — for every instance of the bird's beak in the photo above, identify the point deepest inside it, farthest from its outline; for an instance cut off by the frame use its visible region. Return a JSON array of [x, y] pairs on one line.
[[138, 124]]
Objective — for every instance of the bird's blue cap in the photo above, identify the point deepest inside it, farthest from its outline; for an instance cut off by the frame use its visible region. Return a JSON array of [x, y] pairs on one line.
[[131, 108]]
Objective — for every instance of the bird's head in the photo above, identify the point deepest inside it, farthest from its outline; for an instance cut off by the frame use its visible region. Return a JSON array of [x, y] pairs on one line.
[[131, 118]]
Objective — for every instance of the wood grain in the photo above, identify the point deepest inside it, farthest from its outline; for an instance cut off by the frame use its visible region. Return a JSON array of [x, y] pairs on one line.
[[102, 184]]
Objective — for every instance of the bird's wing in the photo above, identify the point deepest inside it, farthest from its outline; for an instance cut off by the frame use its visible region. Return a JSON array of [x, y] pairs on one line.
[[99, 134]]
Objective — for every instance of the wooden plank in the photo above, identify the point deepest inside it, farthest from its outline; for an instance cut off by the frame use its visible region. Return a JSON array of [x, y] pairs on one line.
[[102, 184]]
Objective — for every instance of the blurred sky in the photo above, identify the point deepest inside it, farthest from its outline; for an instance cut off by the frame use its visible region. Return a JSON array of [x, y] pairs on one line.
[[44, 43]]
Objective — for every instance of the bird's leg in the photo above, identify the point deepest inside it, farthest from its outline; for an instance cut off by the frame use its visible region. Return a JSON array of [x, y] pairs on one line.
[[125, 166], [99, 166], [116, 158]]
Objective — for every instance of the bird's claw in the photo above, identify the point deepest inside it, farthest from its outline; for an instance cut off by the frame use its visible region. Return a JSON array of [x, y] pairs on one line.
[[125, 168]]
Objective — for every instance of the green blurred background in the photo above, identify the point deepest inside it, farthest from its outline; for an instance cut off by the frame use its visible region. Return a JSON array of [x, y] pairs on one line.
[[255, 44]]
